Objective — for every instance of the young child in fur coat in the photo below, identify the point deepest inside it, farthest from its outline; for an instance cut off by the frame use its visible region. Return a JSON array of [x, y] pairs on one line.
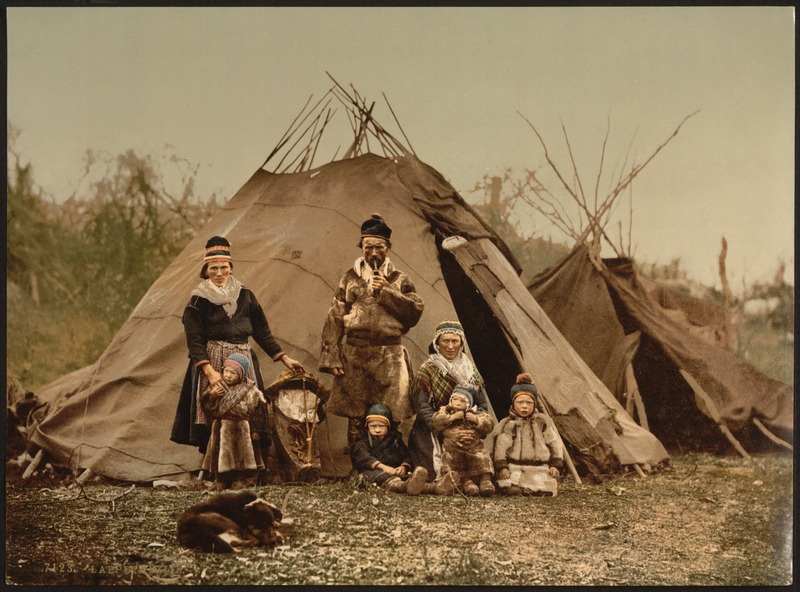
[[528, 455], [380, 456], [463, 426], [232, 456]]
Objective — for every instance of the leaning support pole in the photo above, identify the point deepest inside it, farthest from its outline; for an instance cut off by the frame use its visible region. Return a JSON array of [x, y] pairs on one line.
[[635, 397], [567, 458], [34, 464], [770, 435], [713, 412], [84, 477]]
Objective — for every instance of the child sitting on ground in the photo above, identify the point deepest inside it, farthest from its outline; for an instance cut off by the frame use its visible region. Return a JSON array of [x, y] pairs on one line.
[[528, 454], [232, 456], [463, 426], [380, 456]]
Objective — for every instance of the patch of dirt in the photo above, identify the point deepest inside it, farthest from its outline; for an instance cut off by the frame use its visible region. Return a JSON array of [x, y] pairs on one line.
[[703, 520]]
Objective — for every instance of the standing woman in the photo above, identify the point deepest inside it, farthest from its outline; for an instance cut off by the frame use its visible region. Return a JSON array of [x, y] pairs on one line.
[[220, 318], [447, 367]]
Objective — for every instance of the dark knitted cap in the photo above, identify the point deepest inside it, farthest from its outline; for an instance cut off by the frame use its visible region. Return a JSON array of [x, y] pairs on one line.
[[524, 384], [217, 249], [376, 227], [379, 412]]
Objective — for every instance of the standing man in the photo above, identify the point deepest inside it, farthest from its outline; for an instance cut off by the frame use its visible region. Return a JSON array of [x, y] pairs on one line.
[[374, 305]]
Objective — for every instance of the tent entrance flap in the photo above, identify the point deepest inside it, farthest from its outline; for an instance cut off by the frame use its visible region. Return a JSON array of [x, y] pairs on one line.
[[486, 343]]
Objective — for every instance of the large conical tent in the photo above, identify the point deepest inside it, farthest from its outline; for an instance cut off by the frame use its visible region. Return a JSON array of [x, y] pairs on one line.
[[294, 231]]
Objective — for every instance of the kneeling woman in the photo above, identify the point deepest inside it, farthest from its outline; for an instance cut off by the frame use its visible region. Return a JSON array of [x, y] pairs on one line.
[[447, 367]]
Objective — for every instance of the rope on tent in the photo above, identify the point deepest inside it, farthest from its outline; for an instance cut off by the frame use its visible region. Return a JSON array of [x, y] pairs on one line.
[[714, 412], [770, 435]]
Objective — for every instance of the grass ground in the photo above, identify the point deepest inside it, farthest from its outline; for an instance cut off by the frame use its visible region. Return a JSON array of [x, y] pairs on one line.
[[704, 520]]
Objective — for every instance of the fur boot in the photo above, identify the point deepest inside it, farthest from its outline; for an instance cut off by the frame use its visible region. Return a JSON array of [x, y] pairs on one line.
[[469, 488], [486, 488], [395, 485], [417, 481]]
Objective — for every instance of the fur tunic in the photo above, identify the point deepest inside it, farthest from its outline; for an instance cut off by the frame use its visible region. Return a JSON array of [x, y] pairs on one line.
[[362, 335], [527, 446], [430, 390], [468, 460], [231, 446]]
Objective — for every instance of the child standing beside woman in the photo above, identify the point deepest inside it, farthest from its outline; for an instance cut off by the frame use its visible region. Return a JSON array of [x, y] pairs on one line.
[[230, 455]]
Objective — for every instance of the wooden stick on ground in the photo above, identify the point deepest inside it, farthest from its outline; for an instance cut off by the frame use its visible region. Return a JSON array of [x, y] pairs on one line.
[[770, 435], [703, 396]]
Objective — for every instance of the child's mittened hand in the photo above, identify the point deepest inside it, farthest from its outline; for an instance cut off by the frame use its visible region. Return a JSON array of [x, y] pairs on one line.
[[471, 417]]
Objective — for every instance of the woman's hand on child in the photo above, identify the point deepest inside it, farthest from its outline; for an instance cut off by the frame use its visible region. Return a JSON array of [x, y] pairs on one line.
[[214, 378], [401, 471]]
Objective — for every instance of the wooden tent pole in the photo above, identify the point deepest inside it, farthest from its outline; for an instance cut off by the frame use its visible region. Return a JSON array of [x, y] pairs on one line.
[[714, 412], [635, 397], [770, 435], [84, 477], [567, 458], [34, 463]]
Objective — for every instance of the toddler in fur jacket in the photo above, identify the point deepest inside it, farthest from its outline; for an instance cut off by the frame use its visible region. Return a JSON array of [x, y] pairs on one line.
[[528, 455], [231, 455], [463, 426]]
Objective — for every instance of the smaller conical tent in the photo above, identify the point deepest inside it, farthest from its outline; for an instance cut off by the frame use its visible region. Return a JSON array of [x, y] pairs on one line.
[[687, 383], [294, 230]]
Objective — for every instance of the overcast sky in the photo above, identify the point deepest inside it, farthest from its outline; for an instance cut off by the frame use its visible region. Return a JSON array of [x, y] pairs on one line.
[[221, 85]]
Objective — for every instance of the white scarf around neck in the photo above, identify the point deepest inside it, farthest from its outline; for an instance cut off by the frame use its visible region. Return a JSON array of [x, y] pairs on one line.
[[461, 368], [225, 296]]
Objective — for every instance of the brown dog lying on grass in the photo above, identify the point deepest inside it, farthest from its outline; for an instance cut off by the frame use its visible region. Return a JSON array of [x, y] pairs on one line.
[[229, 522]]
